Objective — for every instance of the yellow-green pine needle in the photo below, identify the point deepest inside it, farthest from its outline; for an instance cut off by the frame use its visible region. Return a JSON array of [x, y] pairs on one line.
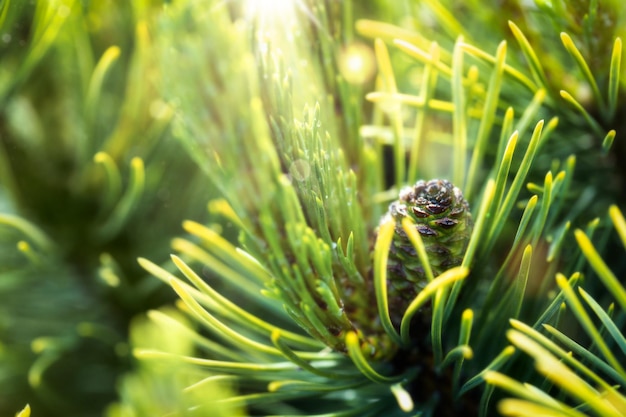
[[619, 223], [528, 51], [388, 99], [518, 181], [447, 19], [424, 57], [238, 368], [25, 412], [233, 310], [528, 392], [27, 250], [224, 208], [241, 315], [429, 81], [30, 230], [173, 326], [355, 353], [459, 123], [444, 280], [614, 77], [49, 353], [194, 252], [480, 225], [226, 251], [494, 289], [604, 272], [556, 306], [109, 57], [467, 319], [381, 255], [505, 134], [389, 85], [475, 239], [374, 29], [486, 122], [296, 358], [522, 280], [402, 397], [113, 179], [416, 240], [557, 241], [457, 355], [495, 364], [126, 204], [509, 70], [555, 370], [579, 311], [608, 140], [522, 408], [546, 200], [568, 381], [436, 330], [597, 129], [606, 320], [222, 330], [584, 67], [503, 171], [303, 386], [529, 116], [564, 355], [47, 24]]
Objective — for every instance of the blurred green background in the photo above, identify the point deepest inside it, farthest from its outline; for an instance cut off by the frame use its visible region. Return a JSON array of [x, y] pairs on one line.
[[94, 175]]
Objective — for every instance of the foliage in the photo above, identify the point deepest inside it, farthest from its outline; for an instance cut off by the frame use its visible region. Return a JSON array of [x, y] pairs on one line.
[[301, 127], [88, 170]]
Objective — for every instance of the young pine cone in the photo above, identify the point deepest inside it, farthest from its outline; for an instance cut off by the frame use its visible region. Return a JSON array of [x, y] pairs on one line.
[[443, 220]]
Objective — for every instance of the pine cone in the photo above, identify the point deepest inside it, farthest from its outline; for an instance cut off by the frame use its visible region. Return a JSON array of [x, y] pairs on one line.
[[444, 222]]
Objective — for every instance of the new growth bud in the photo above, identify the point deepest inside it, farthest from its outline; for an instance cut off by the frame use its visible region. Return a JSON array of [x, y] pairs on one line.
[[443, 220]]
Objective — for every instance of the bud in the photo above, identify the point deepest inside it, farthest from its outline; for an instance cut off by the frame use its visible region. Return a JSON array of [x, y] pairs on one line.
[[443, 220]]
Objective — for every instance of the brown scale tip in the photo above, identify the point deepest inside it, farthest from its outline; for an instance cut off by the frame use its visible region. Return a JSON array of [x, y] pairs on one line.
[[430, 198]]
